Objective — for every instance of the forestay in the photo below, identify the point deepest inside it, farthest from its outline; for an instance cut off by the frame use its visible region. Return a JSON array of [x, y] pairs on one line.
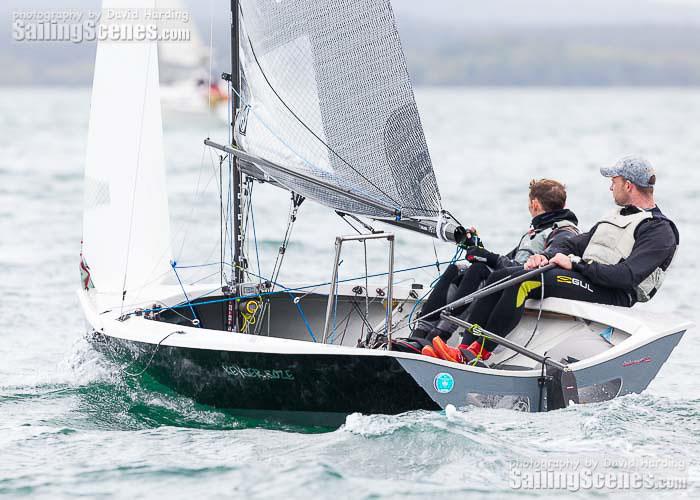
[[326, 92]]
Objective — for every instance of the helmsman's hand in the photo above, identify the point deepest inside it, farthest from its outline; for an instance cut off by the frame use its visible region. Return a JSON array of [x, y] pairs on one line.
[[561, 260], [535, 262], [480, 254], [470, 239]]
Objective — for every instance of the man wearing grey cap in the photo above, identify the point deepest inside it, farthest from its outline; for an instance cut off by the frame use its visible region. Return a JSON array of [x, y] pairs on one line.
[[630, 249], [622, 260]]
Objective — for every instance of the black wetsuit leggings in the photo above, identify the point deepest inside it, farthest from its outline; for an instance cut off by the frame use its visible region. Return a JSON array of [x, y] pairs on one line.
[[467, 281], [501, 312]]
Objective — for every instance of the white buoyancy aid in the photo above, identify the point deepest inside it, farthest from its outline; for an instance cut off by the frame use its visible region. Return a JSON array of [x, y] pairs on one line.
[[533, 244], [613, 241]]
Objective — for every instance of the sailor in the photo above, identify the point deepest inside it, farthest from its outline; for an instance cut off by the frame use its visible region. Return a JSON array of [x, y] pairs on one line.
[[622, 260], [551, 224]]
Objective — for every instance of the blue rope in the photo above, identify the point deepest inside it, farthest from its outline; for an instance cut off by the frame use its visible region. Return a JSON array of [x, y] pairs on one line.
[[202, 265], [303, 317], [414, 268], [457, 255], [454, 259], [285, 289], [173, 264], [418, 302]]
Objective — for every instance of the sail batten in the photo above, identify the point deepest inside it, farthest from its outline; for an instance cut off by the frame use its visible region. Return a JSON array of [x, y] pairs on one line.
[[326, 91]]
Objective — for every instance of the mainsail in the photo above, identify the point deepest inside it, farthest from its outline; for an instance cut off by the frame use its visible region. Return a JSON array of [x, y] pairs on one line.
[[126, 231], [326, 93]]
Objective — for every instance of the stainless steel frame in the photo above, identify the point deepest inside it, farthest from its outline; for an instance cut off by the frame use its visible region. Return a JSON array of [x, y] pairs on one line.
[[334, 279]]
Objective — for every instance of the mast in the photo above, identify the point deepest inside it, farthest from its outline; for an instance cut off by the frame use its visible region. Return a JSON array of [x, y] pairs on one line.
[[237, 256]]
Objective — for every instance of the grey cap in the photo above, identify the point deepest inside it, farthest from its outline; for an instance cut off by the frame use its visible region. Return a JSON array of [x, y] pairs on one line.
[[635, 169]]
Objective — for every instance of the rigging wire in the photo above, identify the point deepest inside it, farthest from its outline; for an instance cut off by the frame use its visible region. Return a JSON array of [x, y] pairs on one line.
[[153, 355], [296, 201], [247, 211], [411, 324], [136, 173], [197, 194], [362, 333], [221, 219], [255, 236], [362, 316], [296, 301], [350, 224], [284, 289], [437, 259], [195, 320], [334, 334], [211, 55], [233, 227]]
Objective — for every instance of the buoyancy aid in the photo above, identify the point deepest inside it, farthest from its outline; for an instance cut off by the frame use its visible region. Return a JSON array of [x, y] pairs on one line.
[[613, 240], [536, 241]]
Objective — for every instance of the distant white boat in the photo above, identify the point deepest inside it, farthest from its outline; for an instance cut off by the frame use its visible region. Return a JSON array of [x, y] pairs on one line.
[[186, 86]]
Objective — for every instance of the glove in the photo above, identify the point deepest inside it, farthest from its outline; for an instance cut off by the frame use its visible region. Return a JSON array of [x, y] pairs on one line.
[[470, 239], [480, 254]]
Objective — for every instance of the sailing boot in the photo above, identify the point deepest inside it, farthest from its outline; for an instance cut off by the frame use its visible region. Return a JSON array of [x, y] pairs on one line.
[[420, 338], [411, 344], [446, 352], [429, 351], [473, 354]]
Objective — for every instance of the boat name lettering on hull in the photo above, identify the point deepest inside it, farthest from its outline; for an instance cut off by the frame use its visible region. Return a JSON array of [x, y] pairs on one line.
[[258, 374], [634, 362]]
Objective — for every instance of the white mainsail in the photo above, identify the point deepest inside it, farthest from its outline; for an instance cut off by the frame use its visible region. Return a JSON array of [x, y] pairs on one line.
[[126, 230]]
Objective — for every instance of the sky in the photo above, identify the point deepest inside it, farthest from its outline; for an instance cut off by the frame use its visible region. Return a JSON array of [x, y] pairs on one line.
[[476, 11], [553, 12], [421, 23]]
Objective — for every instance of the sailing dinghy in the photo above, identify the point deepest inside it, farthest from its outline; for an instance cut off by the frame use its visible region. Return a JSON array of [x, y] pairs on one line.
[[324, 109]]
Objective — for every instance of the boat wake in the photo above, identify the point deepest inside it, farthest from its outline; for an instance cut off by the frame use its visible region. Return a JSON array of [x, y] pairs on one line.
[[458, 450], [632, 422]]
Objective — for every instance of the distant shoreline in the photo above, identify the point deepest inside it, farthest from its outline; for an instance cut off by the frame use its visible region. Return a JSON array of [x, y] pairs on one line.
[[576, 56], [419, 86]]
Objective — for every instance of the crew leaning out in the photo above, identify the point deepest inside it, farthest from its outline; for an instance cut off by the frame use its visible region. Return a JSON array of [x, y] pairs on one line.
[[552, 223], [622, 260]]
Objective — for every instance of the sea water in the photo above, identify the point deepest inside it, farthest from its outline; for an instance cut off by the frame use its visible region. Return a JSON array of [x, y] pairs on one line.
[[72, 424]]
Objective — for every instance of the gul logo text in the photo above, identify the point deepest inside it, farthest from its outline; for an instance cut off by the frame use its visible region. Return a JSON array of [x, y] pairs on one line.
[[568, 280]]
